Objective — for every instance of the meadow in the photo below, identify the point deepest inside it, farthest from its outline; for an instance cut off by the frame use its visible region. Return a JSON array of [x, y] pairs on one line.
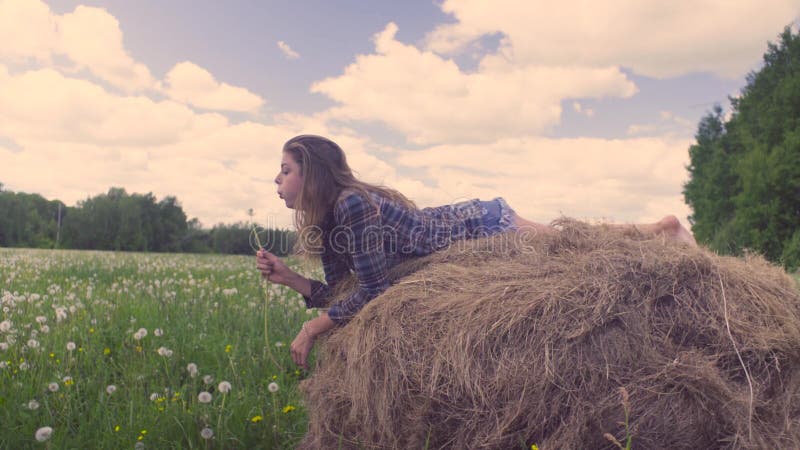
[[163, 351]]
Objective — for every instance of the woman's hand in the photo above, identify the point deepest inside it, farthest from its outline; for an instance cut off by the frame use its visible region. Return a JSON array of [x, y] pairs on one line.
[[272, 268], [304, 341], [301, 347]]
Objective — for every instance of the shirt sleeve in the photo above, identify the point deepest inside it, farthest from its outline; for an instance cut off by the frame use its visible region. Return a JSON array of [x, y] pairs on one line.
[[359, 233], [334, 268]]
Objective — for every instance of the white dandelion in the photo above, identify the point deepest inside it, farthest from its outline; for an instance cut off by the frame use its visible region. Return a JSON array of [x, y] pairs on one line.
[[33, 343], [164, 351], [224, 387], [45, 329], [24, 366], [33, 405], [192, 369], [5, 326], [53, 387], [207, 433], [41, 320], [158, 332], [140, 334], [43, 434], [208, 379], [3, 346], [154, 396], [71, 346], [273, 387], [204, 397], [110, 389]]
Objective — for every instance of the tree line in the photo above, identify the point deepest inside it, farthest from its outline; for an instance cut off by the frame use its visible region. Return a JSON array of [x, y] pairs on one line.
[[744, 186], [120, 221]]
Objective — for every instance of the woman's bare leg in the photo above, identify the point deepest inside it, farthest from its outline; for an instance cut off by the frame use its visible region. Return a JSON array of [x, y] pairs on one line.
[[668, 226]]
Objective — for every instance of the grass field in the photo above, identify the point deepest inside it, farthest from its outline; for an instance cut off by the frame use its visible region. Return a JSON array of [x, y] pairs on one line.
[[102, 348]]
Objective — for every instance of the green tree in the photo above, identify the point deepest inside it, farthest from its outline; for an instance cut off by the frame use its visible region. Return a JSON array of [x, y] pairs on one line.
[[744, 186]]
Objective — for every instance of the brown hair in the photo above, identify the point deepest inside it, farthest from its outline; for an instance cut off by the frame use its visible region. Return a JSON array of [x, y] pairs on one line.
[[326, 174]]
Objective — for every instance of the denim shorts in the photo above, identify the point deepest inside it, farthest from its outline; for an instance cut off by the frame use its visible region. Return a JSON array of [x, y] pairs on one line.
[[498, 216]]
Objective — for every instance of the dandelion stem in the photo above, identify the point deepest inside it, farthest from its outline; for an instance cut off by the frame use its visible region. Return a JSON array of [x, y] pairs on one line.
[[267, 303]]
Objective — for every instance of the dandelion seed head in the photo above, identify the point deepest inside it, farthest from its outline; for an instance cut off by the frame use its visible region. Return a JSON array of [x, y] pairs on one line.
[[24, 366], [5, 326], [208, 379], [33, 405], [207, 433], [192, 369], [44, 433], [273, 387], [33, 343], [110, 389], [224, 387], [154, 396], [3, 346], [41, 320], [204, 397], [140, 334], [45, 329], [71, 346], [52, 387]]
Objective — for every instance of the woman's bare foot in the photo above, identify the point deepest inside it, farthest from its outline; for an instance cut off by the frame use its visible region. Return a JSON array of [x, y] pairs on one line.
[[671, 227]]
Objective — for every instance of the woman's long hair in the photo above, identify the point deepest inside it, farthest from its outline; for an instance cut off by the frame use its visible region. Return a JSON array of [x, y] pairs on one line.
[[325, 175]]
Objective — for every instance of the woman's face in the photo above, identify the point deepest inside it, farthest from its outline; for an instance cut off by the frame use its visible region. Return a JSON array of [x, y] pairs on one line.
[[289, 180]]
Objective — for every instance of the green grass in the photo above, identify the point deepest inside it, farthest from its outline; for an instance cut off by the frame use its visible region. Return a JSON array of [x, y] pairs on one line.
[[210, 311]]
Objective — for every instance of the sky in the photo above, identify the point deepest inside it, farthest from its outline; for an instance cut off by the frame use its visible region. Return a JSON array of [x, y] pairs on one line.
[[570, 108]]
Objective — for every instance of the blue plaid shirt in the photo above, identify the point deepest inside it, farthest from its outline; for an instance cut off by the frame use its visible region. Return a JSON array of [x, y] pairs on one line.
[[368, 240]]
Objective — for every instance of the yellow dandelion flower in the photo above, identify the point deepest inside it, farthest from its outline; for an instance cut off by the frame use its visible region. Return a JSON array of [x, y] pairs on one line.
[[256, 419], [139, 348], [91, 330], [274, 377], [143, 432], [288, 408], [106, 351], [228, 348], [52, 355], [116, 428], [534, 447]]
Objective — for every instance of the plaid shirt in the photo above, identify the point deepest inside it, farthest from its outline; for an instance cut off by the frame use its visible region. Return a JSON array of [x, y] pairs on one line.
[[368, 241]]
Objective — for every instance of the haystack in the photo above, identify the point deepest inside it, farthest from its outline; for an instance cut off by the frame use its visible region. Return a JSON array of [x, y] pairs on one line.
[[566, 341]]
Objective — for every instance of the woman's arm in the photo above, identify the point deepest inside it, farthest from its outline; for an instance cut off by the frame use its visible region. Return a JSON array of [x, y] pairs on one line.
[[304, 341]]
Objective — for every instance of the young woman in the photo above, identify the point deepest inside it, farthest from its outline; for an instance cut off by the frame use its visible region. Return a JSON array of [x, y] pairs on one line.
[[367, 229]]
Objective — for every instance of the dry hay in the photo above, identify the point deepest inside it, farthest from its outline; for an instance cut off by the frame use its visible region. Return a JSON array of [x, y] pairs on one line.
[[504, 342]]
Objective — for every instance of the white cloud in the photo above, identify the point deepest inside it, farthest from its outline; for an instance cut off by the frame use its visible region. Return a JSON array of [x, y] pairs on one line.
[[287, 51], [92, 38], [580, 109], [668, 124], [89, 37], [189, 83], [658, 39], [431, 100], [628, 180]]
